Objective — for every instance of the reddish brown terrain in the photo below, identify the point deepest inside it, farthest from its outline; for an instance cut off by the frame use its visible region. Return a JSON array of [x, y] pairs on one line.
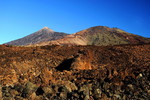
[[75, 72]]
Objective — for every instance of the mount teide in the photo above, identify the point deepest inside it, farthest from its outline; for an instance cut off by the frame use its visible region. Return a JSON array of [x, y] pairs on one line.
[[43, 35], [98, 35]]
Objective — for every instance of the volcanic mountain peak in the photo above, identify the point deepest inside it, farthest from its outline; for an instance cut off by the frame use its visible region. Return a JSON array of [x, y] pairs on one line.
[[43, 35], [47, 29]]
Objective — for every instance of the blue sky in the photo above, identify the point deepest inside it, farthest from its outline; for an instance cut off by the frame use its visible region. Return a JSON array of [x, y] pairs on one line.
[[19, 18]]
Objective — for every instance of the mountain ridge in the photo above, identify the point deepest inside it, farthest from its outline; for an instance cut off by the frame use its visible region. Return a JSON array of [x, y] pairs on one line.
[[97, 35]]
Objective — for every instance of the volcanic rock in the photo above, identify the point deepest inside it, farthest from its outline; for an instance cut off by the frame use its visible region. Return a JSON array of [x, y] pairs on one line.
[[75, 72]]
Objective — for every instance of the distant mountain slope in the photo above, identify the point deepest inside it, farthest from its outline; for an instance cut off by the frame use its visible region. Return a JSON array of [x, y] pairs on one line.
[[99, 35], [43, 35]]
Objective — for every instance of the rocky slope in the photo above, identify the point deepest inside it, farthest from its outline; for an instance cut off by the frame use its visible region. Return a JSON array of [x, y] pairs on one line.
[[99, 35], [75, 72], [43, 35]]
